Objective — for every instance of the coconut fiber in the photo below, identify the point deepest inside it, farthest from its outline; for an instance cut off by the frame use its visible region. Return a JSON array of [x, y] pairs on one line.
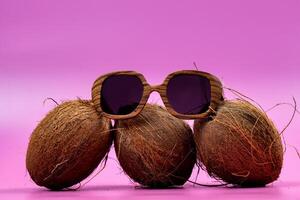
[[67, 145], [240, 145], [154, 148]]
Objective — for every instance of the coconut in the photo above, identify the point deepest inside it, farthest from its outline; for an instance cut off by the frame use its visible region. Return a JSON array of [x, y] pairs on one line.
[[67, 145], [240, 145], [154, 148]]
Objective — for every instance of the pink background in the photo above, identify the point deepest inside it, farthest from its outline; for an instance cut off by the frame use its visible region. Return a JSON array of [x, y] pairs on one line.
[[57, 48]]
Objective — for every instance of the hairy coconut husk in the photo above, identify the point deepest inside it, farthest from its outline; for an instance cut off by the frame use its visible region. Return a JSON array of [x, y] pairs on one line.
[[67, 145], [154, 148], [240, 145]]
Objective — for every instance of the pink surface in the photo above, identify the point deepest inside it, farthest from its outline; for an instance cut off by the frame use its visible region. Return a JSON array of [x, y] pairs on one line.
[[57, 49]]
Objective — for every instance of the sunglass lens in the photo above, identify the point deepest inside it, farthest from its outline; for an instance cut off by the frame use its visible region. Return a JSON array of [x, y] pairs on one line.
[[121, 94], [189, 94]]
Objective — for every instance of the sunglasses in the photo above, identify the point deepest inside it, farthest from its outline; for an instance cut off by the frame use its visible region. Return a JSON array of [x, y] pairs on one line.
[[187, 94]]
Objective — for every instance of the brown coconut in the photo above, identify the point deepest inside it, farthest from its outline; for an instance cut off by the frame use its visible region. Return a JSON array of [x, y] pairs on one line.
[[154, 148], [67, 145], [240, 146]]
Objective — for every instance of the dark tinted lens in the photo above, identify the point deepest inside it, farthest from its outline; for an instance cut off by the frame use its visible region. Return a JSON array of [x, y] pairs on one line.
[[189, 94], [121, 94]]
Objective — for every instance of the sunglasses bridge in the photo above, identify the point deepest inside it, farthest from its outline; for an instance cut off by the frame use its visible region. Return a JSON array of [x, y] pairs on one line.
[[155, 88]]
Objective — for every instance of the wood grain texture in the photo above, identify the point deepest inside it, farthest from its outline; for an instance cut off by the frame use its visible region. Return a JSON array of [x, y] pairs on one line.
[[216, 94]]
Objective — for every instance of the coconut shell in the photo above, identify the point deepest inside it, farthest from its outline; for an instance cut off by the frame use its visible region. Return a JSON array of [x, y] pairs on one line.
[[240, 146], [67, 145], [154, 148]]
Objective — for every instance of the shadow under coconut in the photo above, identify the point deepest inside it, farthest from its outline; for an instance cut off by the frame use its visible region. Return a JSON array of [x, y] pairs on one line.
[[106, 188], [159, 188]]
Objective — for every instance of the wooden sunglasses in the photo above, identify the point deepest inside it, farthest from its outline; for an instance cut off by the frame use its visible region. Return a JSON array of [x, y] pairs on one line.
[[187, 94]]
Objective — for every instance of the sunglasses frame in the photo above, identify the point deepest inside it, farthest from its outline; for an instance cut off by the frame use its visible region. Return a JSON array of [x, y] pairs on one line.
[[215, 84]]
